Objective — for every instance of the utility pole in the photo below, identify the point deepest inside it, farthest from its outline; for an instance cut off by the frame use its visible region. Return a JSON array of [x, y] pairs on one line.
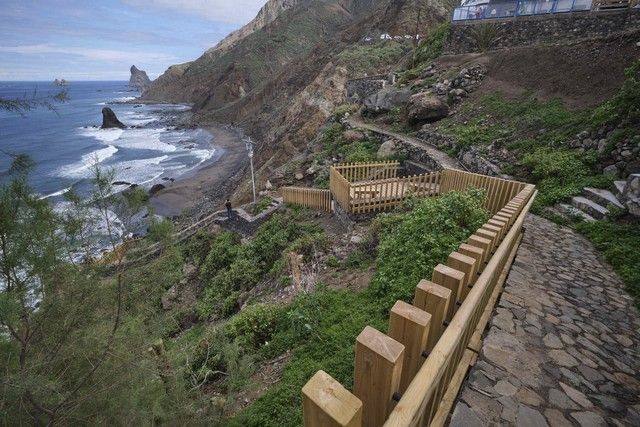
[[249, 146]]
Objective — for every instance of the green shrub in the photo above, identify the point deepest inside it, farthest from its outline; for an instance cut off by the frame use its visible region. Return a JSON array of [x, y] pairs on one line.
[[255, 325], [262, 205], [412, 243], [224, 248], [431, 47], [619, 243], [560, 166], [484, 35], [198, 247], [625, 106], [370, 59]]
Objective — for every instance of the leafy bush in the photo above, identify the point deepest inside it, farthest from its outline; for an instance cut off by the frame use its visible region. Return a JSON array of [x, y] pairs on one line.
[[431, 47], [255, 325], [475, 133], [224, 248], [320, 330], [484, 35], [412, 243], [371, 59], [231, 267], [263, 204], [617, 241], [625, 106], [561, 166]]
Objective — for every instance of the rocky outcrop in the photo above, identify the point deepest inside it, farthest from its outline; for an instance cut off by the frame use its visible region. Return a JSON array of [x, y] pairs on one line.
[[486, 160], [425, 107], [110, 120], [269, 12], [156, 188], [467, 80], [139, 79], [386, 100], [631, 194], [621, 158]]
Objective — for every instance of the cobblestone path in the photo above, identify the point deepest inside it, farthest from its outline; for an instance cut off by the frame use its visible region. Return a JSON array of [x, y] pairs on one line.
[[563, 346]]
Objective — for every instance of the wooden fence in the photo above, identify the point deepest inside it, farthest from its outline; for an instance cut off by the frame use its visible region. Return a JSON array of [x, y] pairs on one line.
[[307, 197], [355, 172], [411, 375], [357, 195]]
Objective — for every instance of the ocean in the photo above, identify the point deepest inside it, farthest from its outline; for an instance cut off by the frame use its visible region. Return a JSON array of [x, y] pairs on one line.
[[66, 142]]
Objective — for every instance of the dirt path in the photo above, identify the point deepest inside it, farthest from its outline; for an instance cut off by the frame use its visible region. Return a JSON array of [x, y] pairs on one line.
[[443, 159], [564, 344]]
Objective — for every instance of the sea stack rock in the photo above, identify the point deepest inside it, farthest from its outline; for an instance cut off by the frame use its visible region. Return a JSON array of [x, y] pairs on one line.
[[109, 119], [139, 79]]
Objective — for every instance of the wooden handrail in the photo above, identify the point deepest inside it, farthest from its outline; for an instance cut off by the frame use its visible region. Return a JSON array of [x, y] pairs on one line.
[[411, 408], [430, 392]]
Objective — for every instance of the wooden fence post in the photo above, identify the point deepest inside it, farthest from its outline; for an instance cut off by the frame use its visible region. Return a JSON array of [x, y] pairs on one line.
[[475, 253], [489, 235], [482, 243], [410, 327], [451, 279], [326, 403], [376, 375], [434, 299], [468, 266]]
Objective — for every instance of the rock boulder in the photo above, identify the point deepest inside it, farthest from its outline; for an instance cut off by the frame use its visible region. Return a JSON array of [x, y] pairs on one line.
[[631, 193], [425, 107], [387, 149], [386, 100], [109, 119], [139, 79], [157, 187]]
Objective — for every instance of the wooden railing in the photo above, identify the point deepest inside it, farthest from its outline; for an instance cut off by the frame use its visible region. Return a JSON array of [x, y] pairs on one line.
[[355, 172], [411, 375], [307, 197], [357, 195], [370, 196], [498, 190]]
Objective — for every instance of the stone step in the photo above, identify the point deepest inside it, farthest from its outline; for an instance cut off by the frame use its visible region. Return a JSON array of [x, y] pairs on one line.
[[618, 188], [602, 197], [572, 212], [589, 206]]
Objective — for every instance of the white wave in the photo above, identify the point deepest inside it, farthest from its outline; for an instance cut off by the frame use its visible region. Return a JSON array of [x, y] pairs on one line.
[[57, 193], [99, 155], [142, 171], [123, 99], [81, 169], [102, 135], [144, 139], [203, 155]]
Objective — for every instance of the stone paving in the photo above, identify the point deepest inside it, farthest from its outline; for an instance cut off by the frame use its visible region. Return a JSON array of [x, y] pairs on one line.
[[563, 347]]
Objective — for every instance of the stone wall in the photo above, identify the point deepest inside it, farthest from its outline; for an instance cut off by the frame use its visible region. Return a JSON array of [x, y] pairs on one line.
[[619, 158], [486, 160], [540, 29], [359, 89]]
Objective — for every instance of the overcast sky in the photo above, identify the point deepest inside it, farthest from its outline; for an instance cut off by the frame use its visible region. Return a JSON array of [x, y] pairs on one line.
[[100, 40]]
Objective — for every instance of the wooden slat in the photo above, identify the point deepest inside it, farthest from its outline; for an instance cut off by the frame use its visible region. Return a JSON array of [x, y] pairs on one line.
[[434, 299], [451, 279], [409, 326], [326, 403], [376, 377]]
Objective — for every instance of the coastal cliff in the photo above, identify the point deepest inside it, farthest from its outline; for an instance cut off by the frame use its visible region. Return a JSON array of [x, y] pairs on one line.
[[139, 79], [281, 76]]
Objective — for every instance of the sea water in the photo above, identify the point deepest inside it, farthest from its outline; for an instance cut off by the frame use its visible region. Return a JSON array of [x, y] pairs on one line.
[[65, 143]]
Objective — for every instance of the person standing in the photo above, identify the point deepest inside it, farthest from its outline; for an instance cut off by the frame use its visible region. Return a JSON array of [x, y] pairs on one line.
[[228, 206]]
